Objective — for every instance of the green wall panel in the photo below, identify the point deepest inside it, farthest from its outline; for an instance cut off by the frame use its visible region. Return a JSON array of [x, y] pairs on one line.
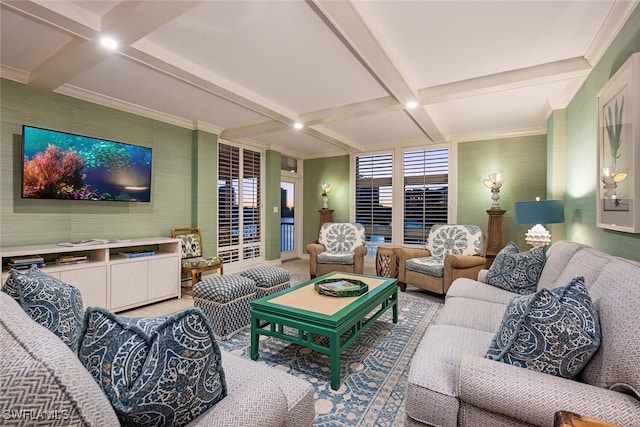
[[24, 222], [335, 171], [581, 151], [205, 189], [272, 198], [523, 160]]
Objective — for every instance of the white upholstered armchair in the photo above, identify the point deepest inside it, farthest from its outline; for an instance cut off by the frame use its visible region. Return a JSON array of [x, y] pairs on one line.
[[452, 251], [340, 247]]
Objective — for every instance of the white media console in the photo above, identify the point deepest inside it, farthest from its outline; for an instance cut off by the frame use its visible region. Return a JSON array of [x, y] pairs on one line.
[[110, 279]]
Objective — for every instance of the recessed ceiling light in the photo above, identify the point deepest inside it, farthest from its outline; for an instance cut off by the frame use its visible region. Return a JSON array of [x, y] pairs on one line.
[[411, 105], [109, 42], [298, 125]]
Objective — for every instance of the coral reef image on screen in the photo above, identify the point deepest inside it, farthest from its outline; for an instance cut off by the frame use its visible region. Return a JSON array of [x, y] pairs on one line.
[[58, 165]]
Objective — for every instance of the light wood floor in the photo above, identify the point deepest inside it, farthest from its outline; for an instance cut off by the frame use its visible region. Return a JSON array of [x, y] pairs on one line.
[[297, 266]]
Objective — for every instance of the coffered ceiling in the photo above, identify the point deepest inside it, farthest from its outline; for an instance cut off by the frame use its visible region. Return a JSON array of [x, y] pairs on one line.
[[249, 70]]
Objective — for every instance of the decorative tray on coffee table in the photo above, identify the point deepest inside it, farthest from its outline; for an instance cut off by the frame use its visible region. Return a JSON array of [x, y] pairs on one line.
[[341, 287]]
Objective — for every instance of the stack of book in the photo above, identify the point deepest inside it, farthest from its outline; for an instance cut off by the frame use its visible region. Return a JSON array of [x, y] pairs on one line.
[[138, 253], [72, 259], [22, 263]]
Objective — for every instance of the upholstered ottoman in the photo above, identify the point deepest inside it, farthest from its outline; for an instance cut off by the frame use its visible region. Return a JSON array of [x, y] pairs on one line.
[[226, 301], [268, 279]]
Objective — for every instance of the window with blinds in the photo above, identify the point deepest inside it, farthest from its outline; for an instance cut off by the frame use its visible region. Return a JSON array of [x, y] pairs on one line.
[[426, 192], [374, 195], [239, 231]]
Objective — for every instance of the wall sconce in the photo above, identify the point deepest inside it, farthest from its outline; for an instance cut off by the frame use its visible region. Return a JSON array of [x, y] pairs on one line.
[[326, 190], [539, 212], [494, 182]]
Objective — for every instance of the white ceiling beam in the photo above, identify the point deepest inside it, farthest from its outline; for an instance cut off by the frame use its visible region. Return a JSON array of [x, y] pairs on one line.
[[539, 74], [347, 23], [127, 22], [350, 111]]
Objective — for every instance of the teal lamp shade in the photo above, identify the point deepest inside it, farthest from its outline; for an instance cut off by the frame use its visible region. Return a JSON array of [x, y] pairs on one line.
[[539, 212]]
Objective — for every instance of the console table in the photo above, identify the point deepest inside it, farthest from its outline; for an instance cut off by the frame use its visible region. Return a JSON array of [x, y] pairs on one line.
[[109, 278]]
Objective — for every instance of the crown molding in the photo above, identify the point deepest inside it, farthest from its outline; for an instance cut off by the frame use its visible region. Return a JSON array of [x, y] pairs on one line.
[[500, 135], [14, 74], [207, 127], [613, 23]]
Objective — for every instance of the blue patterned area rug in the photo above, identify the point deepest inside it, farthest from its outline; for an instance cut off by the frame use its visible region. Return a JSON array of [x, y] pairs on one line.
[[373, 369]]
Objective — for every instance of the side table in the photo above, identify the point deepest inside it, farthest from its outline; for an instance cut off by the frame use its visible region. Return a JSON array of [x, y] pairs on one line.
[[386, 262]]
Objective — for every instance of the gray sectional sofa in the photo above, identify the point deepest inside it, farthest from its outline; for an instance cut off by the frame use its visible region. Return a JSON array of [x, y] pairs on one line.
[[42, 382], [452, 383]]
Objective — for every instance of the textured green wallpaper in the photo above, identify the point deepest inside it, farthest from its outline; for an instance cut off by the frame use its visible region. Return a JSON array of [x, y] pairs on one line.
[[25, 222], [205, 189], [581, 151], [272, 198], [523, 159], [335, 171]]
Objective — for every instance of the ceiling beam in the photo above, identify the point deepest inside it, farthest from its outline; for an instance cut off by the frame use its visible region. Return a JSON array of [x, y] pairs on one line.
[[128, 22], [348, 25], [566, 69]]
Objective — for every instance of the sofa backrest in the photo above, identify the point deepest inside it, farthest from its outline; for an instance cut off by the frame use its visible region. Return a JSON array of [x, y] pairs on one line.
[[616, 297], [455, 239], [558, 257], [341, 237]]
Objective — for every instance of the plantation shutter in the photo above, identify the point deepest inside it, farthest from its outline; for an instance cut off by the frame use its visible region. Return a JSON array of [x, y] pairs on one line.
[[426, 192], [374, 192], [239, 231]]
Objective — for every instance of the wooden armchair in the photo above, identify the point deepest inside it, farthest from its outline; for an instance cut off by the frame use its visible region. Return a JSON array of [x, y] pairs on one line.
[[193, 261], [340, 247], [452, 251]]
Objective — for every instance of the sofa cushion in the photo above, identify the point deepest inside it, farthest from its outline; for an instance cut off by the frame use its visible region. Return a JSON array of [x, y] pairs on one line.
[[517, 271], [155, 371], [41, 375], [326, 257], [555, 332], [558, 256], [50, 302], [339, 237], [455, 239]]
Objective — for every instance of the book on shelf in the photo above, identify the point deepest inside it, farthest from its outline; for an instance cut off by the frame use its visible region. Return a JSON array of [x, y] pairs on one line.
[[82, 261], [24, 266], [26, 259], [137, 254], [88, 242], [72, 259]]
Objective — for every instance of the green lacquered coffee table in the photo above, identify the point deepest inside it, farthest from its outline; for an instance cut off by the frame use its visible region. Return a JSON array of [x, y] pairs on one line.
[[306, 315]]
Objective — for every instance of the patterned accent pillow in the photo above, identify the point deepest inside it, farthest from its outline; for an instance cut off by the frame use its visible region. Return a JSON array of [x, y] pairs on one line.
[[341, 237], [555, 332], [163, 371], [190, 245], [517, 271], [446, 239], [50, 302]]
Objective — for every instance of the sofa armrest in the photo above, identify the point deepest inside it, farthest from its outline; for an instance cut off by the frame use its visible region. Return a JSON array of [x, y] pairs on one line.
[[258, 404], [403, 254], [534, 397], [482, 275]]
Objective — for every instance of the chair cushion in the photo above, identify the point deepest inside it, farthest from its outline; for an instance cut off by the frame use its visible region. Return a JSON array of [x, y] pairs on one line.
[[155, 371], [433, 266], [447, 239], [517, 271], [190, 245], [200, 262], [341, 237], [50, 302], [555, 332], [345, 258]]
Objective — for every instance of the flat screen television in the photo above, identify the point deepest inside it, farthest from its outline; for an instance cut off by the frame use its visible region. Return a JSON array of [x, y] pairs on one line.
[[60, 165]]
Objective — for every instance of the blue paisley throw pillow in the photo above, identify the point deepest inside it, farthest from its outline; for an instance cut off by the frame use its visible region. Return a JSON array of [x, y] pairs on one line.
[[163, 371], [53, 304], [517, 271], [551, 331]]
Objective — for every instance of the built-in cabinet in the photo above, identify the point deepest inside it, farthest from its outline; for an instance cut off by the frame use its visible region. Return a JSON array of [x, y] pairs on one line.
[[111, 279]]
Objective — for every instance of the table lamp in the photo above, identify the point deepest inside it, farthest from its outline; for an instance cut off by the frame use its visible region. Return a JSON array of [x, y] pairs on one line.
[[539, 212], [326, 190]]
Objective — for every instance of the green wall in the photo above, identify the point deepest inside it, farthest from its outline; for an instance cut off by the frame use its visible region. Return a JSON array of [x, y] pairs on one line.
[[581, 151], [335, 171], [205, 189], [272, 198], [27, 222], [522, 159]]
